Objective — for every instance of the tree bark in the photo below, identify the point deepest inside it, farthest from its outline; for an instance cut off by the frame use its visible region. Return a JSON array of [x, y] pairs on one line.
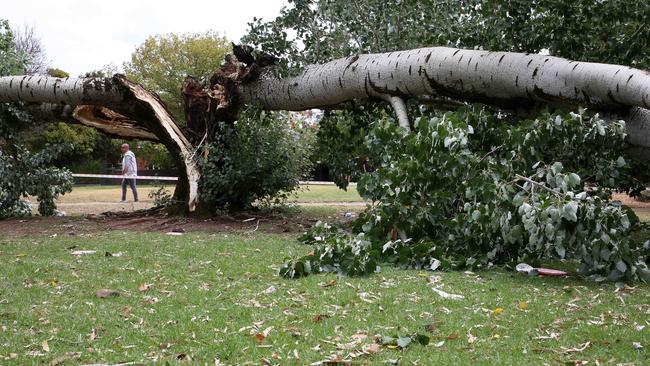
[[70, 91], [150, 110], [511, 80], [497, 78]]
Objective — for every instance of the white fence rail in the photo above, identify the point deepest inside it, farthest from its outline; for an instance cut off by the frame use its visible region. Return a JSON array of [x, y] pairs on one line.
[[119, 176], [173, 179]]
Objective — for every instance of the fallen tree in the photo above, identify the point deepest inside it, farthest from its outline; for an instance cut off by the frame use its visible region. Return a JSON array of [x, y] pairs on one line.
[[516, 81]]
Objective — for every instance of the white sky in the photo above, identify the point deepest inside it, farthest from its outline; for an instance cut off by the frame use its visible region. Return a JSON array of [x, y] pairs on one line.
[[85, 35]]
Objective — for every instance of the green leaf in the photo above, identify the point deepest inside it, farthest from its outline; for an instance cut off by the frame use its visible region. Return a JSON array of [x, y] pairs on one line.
[[605, 254], [403, 342], [621, 266], [388, 340], [556, 167], [570, 211], [422, 339], [574, 179]]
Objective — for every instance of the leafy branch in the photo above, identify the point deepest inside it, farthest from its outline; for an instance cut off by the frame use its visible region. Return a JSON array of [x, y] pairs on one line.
[[456, 201]]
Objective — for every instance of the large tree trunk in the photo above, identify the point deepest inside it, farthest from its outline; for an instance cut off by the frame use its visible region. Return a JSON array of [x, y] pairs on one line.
[[116, 107], [504, 79], [47, 89], [512, 80], [497, 78]]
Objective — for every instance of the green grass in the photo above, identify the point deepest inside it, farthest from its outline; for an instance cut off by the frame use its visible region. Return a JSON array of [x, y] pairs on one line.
[[207, 297], [111, 193], [323, 193], [643, 213], [95, 199]]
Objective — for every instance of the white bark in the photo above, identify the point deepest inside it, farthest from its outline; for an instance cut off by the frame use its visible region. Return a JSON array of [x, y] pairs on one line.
[[40, 89], [500, 78], [471, 75], [400, 110], [637, 123]]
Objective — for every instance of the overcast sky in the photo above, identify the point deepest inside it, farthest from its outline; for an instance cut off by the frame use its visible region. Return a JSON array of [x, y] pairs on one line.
[[85, 35]]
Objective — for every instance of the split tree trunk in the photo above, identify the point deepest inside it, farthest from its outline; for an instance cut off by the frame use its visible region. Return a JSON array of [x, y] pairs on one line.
[[100, 118], [115, 106], [512, 80]]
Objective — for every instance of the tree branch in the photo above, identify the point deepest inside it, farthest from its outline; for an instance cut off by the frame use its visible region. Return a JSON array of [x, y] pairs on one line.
[[400, 109], [540, 185]]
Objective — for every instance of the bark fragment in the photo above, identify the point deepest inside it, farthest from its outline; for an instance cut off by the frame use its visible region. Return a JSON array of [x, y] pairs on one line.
[[112, 123]]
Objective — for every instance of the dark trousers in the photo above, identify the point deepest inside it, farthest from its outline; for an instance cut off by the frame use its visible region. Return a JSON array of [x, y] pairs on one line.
[[130, 182]]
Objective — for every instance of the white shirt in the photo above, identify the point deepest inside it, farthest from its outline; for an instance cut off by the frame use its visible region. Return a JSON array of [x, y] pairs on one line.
[[129, 164]]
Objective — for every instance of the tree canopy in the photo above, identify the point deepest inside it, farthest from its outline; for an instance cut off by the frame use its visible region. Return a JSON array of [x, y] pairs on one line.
[[479, 186], [314, 31]]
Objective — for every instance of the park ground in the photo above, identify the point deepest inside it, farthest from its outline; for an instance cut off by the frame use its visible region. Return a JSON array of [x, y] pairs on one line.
[[206, 291], [95, 199]]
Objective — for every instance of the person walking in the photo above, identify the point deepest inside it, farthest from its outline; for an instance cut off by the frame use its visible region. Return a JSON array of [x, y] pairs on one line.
[[130, 171]]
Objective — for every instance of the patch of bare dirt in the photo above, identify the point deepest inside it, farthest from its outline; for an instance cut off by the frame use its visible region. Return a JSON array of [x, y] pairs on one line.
[[631, 202], [151, 221], [238, 222], [46, 226]]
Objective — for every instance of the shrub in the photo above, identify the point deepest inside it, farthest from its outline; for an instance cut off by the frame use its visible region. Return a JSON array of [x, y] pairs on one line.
[[24, 173], [161, 197], [258, 157]]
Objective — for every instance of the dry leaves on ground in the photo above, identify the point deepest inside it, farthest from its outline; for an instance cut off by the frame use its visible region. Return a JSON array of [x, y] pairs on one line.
[[105, 293]]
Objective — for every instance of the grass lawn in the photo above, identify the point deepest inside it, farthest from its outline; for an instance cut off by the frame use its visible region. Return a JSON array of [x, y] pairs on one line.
[[327, 193], [208, 297], [95, 199], [107, 193], [112, 193]]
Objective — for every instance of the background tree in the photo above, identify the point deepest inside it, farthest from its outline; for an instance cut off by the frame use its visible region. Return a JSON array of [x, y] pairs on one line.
[[27, 42], [163, 61], [24, 172], [57, 73]]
